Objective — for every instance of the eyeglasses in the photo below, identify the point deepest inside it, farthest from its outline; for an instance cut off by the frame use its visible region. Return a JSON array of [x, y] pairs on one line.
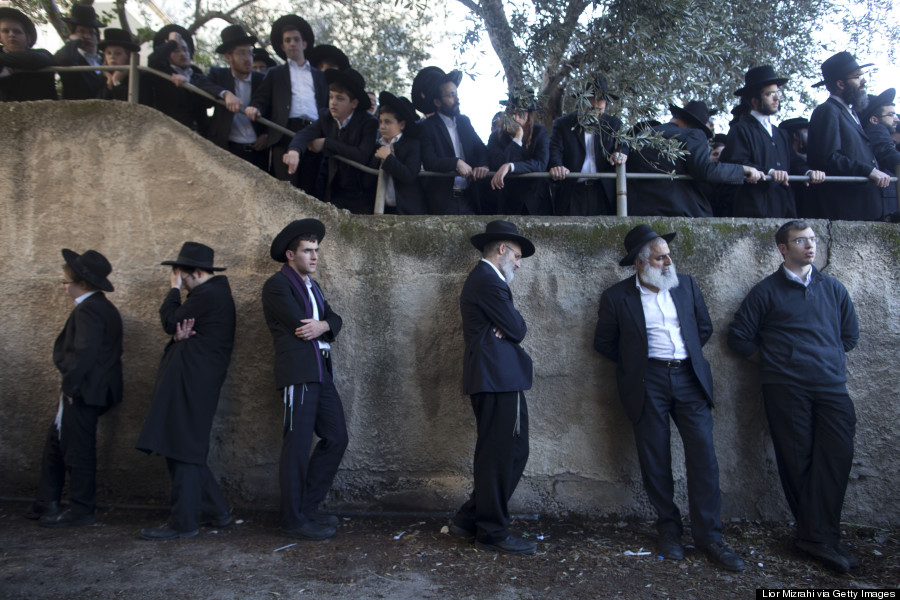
[[801, 241], [65, 282]]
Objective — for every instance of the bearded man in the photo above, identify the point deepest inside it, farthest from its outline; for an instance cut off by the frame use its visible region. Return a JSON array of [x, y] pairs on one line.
[[653, 325]]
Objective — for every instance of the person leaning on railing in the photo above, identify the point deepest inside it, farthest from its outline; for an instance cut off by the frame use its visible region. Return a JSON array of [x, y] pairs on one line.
[[80, 50], [117, 47], [18, 57]]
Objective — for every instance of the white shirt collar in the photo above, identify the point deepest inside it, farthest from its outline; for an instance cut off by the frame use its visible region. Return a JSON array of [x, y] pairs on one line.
[[494, 267], [295, 64], [84, 297], [804, 281], [448, 121]]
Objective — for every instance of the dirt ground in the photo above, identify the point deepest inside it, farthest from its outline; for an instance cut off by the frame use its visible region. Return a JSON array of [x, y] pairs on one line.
[[406, 558]]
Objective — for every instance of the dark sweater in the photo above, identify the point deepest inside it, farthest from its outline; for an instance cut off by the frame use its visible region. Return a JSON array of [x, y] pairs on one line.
[[801, 332]]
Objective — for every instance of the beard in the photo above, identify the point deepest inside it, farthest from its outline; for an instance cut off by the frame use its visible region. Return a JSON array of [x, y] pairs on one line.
[[507, 268], [662, 281], [449, 111], [856, 97]]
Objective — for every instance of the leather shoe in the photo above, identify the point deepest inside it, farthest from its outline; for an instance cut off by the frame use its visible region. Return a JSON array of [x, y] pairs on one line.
[[722, 555], [310, 531], [852, 561], [164, 532], [322, 519], [223, 520], [826, 554], [40, 508], [669, 546], [461, 530], [511, 545], [67, 518]]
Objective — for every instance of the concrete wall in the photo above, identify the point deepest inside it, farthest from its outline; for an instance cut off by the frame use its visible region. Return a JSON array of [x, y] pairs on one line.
[[134, 185]]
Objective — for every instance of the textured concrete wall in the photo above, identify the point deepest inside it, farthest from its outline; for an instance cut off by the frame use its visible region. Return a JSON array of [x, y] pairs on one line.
[[134, 185]]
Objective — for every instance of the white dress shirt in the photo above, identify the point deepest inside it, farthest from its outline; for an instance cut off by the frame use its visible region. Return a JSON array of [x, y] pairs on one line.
[[459, 183], [303, 92], [664, 341]]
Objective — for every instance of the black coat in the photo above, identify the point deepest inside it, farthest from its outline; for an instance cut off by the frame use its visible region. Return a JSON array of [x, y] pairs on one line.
[[120, 92], [21, 85], [750, 144], [187, 108], [88, 352], [81, 85], [220, 123], [838, 146], [675, 198], [403, 165], [888, 158], [492, 364], [621, 336], [532, 194], [438, 155], [191, 373], [273, 98]]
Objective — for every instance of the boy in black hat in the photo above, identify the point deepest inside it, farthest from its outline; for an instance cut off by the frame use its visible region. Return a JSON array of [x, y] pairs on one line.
[[346, 129], [81, 50], [262, 61], [400, 155], [186, 393], [879, 121], [326, 56], [88, 354], [17, 57], [117, 47]]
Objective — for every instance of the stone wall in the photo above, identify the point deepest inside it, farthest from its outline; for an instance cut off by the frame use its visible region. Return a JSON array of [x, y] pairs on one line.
[[134, 185]]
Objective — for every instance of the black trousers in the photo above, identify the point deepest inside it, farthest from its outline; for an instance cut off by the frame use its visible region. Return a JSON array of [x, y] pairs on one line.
[[501, 452], [305, 480], [72, 449], [258, 158], [196, 496], [676, 393], [812, 433], [586, 199]]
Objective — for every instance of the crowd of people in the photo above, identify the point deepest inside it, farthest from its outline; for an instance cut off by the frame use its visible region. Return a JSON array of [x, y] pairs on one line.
[[318, 95]]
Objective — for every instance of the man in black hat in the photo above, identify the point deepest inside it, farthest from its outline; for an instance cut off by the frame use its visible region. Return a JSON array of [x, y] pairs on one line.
[[399, 154], [81, 50], [450, 145], [303, 327], [584, 142], [88, 354], [262, 61], [325, 57], [18, 57], [117, 47], [839, 146], [653, 325], [422, 84], [232, 129], [291, 96], [798, 131], [496, 372], [679, 198], [345, 129], [186, 393], [758, 143], [879, 121]]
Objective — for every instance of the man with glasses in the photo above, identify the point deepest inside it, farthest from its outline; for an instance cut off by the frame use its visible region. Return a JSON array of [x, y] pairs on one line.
[[879, 122], [797, 324]]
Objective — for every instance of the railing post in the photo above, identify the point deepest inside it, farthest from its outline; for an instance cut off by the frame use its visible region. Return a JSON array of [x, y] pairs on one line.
[[133, 79], [621, 191], [380, 191]]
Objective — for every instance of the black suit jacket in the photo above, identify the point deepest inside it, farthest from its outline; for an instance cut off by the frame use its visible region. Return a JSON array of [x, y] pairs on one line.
[[273, 98], [534, 194], [438, 155], [82, 85], [20, 85], [185, 107], [888, 158], [220, 123], [839, 146], [403, 165], [88, 352], [492, 364], [621, 336]]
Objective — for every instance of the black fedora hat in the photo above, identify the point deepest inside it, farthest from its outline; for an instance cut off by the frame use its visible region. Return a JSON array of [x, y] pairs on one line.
[[162, 36], [326, 53], [794, 124], [637, 238], [758, 77], [421, 86], [354, 82], [522, 100], [292, 230], [194, 255], [84, 15], [454, 77], [400, 106], [261, 54], [11, 14], [234, 35], [90, 266], [885, 98], [838, 66], [501, 231], [719, 139], [694, 113], [118, 37], [290, 22], [596, 86]]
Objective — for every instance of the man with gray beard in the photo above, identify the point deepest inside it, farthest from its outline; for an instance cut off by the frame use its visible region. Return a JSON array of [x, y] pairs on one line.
[[653, 325]]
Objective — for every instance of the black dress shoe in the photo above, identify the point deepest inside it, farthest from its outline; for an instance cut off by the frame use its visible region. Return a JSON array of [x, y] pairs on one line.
[[42, 508], [310, 531], [220, 521], [461, 530], [825, 554], [165, 532], [852, 561], [67, 518], [669, 546], [322, 519], [511, 545], [720, 554]]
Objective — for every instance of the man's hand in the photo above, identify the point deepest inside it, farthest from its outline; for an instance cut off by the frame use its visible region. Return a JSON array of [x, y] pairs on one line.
[[816, 177], [497, 179], [880, 178], [497, 333], [261, 142], [179, 80], [463, 169], [184, 330], [752, 175], [558, 173], [232, 102], [174, 35], [479, 173], [311, 329], [114, 78], [252, 113], [175, 279], [317, 145], [383, 152], [291, 158], [779, 177], [616, 158]]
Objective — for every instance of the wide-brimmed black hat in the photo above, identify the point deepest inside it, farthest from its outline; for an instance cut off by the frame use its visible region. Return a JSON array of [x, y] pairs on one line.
[[794, 124], [162, 36], [290, 22], [454, 77], [290, 232], [758, 77], [837, 67], [84, 15], [885, 98], [354, 82], [90, 266], [263, 55], [719, 139], [694, 113], [400, 106], [522, 100], [502, 231], [118, 37], [421, 86], [194, 255], [234, 35], [597, 86], [637, 238], [328, 53], [12, 14]]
